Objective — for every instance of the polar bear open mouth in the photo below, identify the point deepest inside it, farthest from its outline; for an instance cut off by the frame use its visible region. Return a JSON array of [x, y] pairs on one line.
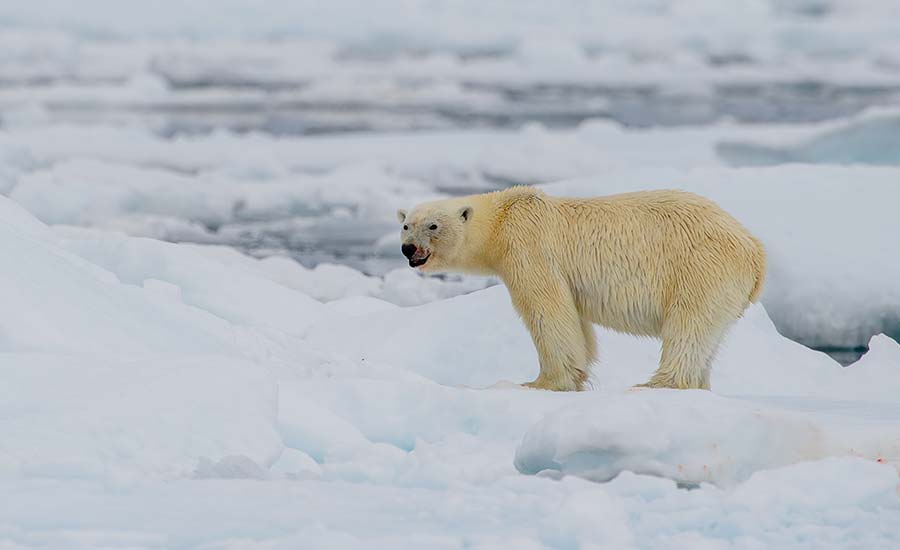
[[418, 262]]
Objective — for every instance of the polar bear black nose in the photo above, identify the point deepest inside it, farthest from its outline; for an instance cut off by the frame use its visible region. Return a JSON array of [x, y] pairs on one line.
[[408, 250]]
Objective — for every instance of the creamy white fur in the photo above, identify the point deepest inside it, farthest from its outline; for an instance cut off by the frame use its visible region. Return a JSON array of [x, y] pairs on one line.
[[668, 264]]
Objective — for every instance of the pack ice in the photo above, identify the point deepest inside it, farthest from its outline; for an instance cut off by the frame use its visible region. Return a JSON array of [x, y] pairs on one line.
[[158, 395]]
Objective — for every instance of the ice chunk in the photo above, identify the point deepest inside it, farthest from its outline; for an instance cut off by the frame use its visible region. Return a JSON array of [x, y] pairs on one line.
[[871, 138], [688, 436]]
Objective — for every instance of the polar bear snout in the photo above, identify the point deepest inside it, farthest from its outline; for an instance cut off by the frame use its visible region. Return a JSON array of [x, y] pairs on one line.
[[416, 256]]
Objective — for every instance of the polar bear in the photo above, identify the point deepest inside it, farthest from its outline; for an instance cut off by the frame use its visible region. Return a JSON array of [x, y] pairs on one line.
[[668, 264]]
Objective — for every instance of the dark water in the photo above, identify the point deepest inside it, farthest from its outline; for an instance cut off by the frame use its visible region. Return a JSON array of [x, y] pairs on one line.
[[326, 242], [555, 106], [844, 356]]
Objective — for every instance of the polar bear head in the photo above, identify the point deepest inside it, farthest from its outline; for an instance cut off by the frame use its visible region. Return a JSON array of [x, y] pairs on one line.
[[433, 234]]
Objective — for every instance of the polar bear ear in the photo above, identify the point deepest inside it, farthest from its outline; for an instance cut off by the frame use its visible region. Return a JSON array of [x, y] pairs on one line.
[[401, 215], [465, 213]]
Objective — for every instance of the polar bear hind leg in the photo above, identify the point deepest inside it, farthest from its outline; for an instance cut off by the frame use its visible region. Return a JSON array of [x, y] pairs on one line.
[[689, 344]]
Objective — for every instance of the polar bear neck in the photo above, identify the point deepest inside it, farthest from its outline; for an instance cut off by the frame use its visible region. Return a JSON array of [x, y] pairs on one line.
[[484, 255]]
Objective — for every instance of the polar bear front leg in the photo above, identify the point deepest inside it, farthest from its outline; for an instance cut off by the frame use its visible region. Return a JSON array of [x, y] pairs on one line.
[[558, 333]]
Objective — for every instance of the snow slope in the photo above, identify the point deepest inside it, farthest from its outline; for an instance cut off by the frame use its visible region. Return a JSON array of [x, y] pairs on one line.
[[147, 382]]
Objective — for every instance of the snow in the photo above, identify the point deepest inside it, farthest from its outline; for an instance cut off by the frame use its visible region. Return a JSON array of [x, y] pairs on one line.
[[756, 36], [127, 421], [142, 388], [596, 440], [92, 193], [175, 377]]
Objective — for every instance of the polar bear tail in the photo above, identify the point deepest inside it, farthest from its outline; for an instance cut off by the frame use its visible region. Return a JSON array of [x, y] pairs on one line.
[[760, 268]]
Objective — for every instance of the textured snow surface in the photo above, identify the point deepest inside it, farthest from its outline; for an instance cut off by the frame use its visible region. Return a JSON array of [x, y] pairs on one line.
[[167, 396], [146, 383], [297, 41]]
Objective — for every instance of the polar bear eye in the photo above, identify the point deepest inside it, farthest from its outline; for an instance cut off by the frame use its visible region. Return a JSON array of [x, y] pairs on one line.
[[405, 227], [433, 226]]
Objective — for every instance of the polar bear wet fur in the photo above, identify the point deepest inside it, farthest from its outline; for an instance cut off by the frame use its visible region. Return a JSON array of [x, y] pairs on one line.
[[668, 264]]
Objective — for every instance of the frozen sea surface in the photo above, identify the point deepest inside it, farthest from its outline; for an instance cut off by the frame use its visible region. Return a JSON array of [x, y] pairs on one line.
[[280, 379], [289, 68], [179, 396]]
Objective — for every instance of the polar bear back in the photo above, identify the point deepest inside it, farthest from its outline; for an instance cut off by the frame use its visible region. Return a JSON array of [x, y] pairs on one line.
[[629, 259]]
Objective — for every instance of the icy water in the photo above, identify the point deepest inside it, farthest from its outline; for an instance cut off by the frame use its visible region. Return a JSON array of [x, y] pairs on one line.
[[272, 109], [844, 356], [555, 106], [325, 240]]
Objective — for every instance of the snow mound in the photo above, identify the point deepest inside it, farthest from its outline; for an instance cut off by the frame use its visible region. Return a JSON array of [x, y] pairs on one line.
[[198, 280], [687, 436], [476, 339], [128, 421], [334, 282], [57, 301]]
